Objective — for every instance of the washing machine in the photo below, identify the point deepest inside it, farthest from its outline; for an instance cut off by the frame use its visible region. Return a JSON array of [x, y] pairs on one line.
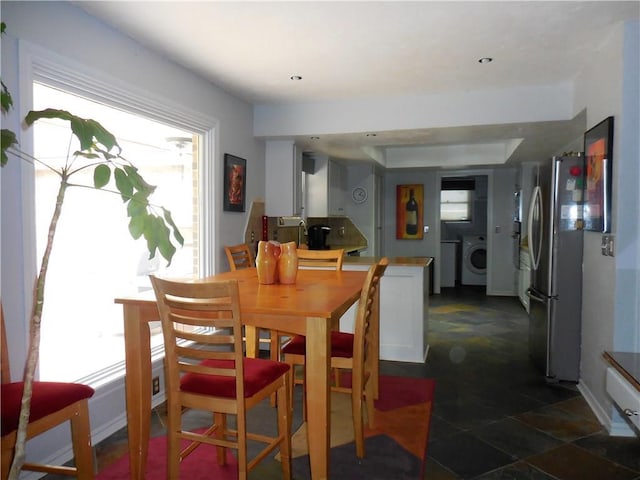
[[474, 260]]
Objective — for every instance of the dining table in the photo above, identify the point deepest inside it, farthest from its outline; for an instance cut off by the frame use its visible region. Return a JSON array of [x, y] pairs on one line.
[[312, 306]]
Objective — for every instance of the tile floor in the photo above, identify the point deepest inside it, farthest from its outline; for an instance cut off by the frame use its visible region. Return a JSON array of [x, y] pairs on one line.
[[494, 416]]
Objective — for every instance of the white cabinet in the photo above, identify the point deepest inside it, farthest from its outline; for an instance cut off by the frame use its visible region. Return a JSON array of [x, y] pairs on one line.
[[404, 307], [524, 278], [624, 395], [283, 178], [326, 188]]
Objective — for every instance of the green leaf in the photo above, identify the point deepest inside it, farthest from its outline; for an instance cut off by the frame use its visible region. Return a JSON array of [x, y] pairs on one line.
[[8, 139], [149, 233], [85, 130], [101, 134], [7, 101], [101, 175], [138, 182], [136, 225], [137, 205], [123, 184], [176, 232], [162, 233]]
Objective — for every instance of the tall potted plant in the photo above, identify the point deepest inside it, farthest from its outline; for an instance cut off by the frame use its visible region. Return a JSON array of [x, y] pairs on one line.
[[100, 152]]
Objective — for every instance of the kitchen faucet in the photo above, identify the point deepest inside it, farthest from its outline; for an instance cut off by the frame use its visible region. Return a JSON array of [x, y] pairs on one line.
[[302, 224]]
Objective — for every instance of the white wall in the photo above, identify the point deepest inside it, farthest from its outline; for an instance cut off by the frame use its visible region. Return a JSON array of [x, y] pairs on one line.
[[525, 104], [363, 214], [64, 29], [502, 275], [610, 318]]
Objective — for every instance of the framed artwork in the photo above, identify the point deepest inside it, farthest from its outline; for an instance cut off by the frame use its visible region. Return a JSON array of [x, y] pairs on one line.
[[598, 151], [409, 212], [235, 175]]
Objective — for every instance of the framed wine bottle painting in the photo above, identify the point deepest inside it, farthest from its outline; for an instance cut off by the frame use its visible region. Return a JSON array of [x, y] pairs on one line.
[[409, 212]]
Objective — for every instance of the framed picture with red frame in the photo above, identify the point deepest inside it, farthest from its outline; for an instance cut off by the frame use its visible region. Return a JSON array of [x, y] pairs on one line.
[[598, 151], [235, 183]]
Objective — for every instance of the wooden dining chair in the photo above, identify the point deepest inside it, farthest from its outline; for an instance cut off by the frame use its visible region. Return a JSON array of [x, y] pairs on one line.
[[353, 351], [239, 256], [205, 369], [52, 404], [326, 259], [321, 258]]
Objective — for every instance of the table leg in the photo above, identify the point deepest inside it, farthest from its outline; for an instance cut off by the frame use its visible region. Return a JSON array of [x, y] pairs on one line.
[[318, 395], [251, 334], [138, 386]]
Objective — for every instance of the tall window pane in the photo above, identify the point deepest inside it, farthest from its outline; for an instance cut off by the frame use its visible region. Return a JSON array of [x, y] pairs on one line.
[[94, 258]]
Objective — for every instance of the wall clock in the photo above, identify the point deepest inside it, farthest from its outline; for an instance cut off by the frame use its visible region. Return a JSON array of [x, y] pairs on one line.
[[359, 194]]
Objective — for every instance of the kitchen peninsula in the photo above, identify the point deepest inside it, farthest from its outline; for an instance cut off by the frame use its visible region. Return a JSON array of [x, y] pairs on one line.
[[404, 306]]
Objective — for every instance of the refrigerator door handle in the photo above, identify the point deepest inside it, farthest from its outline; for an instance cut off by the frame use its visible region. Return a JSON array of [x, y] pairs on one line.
[[535, 243]]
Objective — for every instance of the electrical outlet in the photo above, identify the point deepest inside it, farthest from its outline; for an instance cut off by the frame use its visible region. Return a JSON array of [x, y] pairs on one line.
[[607, 246], [610, 246], [155, 385]]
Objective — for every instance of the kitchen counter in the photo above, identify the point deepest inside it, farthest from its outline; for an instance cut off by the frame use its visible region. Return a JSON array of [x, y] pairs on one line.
[[350, 248], [627, 364], [395, 261]]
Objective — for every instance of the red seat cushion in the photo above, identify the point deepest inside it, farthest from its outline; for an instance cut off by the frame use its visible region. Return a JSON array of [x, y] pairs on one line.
[[46, 398], [258, 373], [341, 345]]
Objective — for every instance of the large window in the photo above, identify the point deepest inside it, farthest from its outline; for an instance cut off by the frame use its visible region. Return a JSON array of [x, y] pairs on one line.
[[94, 258]]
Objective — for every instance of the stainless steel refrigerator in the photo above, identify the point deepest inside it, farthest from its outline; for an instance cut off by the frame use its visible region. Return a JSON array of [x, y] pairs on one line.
[[555, 247]]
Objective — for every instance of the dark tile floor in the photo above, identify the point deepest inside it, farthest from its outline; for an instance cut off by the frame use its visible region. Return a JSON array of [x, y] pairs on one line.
[[494, 416]]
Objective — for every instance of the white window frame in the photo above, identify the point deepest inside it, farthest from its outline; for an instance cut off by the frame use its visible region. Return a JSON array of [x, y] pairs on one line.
[[38, 64]]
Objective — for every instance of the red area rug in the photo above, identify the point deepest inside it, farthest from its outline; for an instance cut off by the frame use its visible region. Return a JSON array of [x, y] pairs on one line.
[[396, 448]]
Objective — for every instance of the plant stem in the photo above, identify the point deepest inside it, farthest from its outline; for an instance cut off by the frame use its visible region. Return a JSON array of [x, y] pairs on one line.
[[34, 344]]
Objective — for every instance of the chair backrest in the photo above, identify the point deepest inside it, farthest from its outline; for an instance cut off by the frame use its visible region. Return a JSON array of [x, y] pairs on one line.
[[366, 323], [187, 311], [4, 355], [239, 256], [321, 258]]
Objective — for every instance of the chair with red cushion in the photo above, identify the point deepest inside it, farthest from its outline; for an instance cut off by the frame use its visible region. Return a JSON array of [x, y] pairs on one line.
[[205, 369], [52, 404], [352, 351]]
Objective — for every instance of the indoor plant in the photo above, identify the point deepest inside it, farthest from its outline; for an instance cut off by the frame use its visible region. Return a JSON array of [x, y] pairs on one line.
[[100, 152]]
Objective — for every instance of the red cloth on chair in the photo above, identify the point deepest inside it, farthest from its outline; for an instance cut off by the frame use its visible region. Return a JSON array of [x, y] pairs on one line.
[[46, 398], [258, 373], [341, 345]]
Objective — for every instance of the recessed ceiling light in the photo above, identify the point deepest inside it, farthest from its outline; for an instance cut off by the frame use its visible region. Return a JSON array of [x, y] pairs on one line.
[[296, 77], [485, 60]]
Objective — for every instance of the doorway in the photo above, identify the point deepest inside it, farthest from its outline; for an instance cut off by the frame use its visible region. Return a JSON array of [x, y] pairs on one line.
[[463, 229]]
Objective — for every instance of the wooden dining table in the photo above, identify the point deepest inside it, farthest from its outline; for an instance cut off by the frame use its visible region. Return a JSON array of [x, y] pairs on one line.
[[311, 307]]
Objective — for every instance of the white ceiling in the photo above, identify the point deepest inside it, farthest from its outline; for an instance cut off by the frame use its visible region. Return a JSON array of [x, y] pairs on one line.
[[351, 50]]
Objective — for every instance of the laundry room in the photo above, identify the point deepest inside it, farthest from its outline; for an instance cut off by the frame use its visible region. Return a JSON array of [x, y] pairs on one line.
[[463, 230]]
